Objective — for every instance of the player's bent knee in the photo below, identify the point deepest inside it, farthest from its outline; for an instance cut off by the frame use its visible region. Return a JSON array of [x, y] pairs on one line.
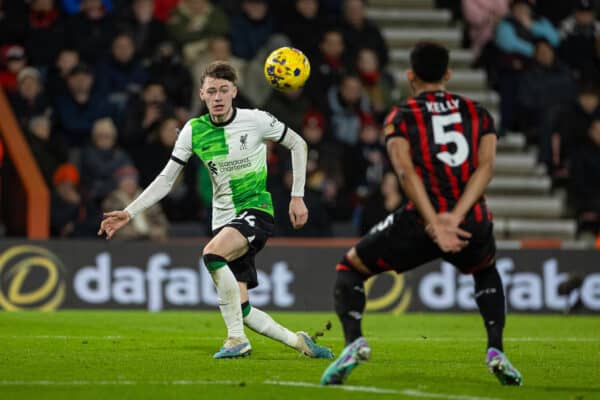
[[213, 261], [352, 262]]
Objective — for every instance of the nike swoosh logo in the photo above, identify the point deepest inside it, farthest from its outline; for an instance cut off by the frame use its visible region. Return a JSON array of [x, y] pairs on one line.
[[251, 238]]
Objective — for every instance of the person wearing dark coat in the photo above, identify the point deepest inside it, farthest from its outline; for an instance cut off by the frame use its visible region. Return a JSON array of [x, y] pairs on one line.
[[46, 32], [251, 29], [70, 214], [90, 31], [145, 30], [290, 107], [181, 203], [121, 75], [142, 116], [327, 67], [580, 35], [76, 111], [570, 128], [49, 148], [305, 26], [167, 69], [585, 179], [58, 72], [29, 100], [360, 32], [545, 87], [100, 160]]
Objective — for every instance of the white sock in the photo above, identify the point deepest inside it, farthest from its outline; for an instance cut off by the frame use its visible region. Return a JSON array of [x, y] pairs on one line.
[[229, 300], [261, 322]]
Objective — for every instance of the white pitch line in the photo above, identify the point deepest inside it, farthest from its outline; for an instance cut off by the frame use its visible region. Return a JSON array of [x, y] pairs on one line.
[[371, 389], [348, 388]]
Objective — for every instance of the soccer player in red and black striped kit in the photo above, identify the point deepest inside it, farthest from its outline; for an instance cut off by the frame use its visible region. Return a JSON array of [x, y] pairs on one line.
[[443, 147]]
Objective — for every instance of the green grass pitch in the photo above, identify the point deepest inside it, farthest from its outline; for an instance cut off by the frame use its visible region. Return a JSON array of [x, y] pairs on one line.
[[168, 355]]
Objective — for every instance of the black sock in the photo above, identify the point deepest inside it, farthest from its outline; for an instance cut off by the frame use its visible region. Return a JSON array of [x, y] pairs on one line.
[[489, 295], [349, 297]]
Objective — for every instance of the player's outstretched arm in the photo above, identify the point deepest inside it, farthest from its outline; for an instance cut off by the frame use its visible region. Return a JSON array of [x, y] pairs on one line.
[[297, 146], [449, 238], [159, 188], [480, 179]]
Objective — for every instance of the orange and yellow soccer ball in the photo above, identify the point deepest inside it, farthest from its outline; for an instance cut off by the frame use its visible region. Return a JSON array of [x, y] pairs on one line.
[[287, 69]]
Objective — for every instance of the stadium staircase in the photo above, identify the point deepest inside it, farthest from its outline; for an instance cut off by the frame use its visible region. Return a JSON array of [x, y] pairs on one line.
[[520, 195]]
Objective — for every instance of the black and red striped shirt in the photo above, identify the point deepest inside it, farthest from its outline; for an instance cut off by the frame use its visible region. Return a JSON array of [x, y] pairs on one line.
[[444, 130]]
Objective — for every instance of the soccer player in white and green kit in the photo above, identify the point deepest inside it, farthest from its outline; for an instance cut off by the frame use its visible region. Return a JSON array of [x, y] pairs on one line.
[[231, 144]]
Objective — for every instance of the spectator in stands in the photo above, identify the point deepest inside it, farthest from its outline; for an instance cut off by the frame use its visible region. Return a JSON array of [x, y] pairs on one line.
[[75, 6], [482, 17], [56, 81], [181, 203], [571, 127], [142, 115], [515, 37], [14, 60], [13, 21], [219, 49], [193, 22], [319, 224], [101, 159], [48, 148], [349, 107], [167, 68], [324, 167], [378, 83], [77, 110], [158, 150], [251, 29], [365, 162], [70, 215], [29, 100], [360, 32], [163, 9], [121, 75], [148, 224], [90, 31], [290, 107], [554, 11], [305, 26], [46, 33], [580, 35], [253, 90], [381, 203], [327, 67], [146, 31], [585, 173], [545, 87]]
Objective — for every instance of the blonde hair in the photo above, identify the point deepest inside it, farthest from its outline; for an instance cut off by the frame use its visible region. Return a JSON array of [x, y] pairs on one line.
[[104, 124]]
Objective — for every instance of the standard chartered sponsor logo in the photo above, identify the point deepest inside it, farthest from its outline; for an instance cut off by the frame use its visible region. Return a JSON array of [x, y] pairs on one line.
[[31, 278], [233, 165], [525, 291], [160, 283]]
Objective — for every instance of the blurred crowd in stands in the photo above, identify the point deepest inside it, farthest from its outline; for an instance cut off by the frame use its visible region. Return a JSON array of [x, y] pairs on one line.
[[543, 59], [100, 88]]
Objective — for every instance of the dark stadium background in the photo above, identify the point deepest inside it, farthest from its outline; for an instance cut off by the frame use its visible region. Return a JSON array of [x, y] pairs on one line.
[[93, 93]]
